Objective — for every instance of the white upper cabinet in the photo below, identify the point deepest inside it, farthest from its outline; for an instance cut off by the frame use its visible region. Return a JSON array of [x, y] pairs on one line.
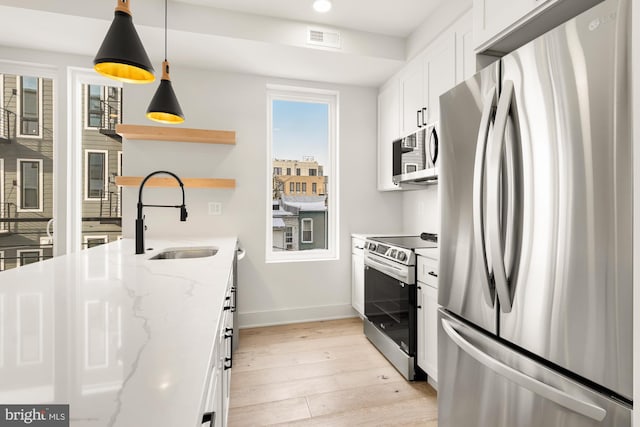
[[388, 130], [505, 25], [422, 82], [440, 73], [412, 96], [495, 18], [411, 99], [465, 54]]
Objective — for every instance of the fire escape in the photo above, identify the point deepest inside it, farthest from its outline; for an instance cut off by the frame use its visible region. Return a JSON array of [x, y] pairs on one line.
[[111, 111]]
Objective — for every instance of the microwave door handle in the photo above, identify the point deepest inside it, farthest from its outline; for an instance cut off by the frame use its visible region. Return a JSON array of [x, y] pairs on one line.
[[495, 201], [478, 197], [418, 121], [433, 154]]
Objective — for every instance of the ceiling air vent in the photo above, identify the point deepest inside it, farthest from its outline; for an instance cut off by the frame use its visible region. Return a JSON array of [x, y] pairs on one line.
[[323, 37]]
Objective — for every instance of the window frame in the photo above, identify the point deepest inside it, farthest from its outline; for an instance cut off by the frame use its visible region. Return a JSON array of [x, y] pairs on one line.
[[288, 238], [87, 94], [86, 237], [3, 225], [314, 188], [105, 177], [332, 99], [2, 106], [19, 185], [302, 231], [1, 269], [19, 108], [19, 253]]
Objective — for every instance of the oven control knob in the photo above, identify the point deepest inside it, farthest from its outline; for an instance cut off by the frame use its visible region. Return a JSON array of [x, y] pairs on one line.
[[402, 256], [372, 247]]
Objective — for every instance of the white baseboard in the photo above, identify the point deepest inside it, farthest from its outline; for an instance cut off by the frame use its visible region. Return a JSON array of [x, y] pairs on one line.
[[295, 315]]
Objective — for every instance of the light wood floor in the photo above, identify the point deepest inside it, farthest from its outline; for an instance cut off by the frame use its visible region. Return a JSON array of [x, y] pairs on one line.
[[322, 374]]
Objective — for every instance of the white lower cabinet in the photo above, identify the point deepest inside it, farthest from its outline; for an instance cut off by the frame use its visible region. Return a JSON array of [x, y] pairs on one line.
[[428, 317], [216, 400], [357, 275]]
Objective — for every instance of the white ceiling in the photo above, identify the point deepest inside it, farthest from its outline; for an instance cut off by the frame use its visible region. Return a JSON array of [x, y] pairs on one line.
[[390, 17], [265, 37]]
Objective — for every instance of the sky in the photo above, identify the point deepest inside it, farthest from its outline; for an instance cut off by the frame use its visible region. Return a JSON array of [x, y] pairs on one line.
[[300, 129]]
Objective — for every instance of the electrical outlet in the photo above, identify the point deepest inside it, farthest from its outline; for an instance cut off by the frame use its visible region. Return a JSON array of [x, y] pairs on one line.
[[215, 208]]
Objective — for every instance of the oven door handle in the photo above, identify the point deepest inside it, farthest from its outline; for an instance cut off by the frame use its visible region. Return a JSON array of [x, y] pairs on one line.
[[388, 269]]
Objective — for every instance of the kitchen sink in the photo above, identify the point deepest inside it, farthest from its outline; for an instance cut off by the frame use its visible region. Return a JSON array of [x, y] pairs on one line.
[[183, 253]]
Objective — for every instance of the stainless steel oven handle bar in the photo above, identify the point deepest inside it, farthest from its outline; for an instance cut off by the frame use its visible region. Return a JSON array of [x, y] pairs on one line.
[[389, 269], [478, 196], [538, 387], [494, 211]]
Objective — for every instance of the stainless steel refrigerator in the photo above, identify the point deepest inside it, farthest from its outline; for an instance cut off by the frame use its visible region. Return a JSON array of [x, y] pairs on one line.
[[535, 327]]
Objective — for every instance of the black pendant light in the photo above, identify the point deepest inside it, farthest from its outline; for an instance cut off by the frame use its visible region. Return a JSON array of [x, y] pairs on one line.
[[121, 55], [164, 106]]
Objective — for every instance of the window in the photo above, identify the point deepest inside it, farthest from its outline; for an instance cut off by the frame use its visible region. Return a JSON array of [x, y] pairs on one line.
[[289, 171], [314, 188], [288, 238], [4, 130], [302, 136], [93, 241], [94, 107], [95, 174], [3, 225], [277, 171], [27, 257], [307, 230], [30, 106], [29, 182]]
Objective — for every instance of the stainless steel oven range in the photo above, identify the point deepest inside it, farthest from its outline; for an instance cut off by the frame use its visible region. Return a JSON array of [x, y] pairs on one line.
[[390, 298]]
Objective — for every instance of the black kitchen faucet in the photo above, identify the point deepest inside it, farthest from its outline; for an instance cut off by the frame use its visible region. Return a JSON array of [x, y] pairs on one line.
[[140, 218]]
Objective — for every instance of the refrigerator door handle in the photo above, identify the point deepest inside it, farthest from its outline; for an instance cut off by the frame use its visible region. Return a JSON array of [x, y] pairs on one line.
[[494, 174], [478, 196], [563, 399]]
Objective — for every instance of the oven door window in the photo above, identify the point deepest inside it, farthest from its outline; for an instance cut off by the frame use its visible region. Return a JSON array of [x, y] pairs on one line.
[[390, 306]]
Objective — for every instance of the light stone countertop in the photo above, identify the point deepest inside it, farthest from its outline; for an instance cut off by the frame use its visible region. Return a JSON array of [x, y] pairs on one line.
[[124, 340]]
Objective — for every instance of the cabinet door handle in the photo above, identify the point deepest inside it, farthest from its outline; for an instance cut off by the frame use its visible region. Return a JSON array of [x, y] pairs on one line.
[[228, 334], [418, 121], [234, 293], [419, 307], [209, 417], [431, 273], [424, 114]]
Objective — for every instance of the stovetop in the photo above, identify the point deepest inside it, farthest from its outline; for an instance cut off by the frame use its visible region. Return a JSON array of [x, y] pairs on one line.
[[409, 242], [400, 249]]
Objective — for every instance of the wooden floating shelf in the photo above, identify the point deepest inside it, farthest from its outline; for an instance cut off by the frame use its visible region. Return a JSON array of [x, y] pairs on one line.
[[134, 181], [162, 133]]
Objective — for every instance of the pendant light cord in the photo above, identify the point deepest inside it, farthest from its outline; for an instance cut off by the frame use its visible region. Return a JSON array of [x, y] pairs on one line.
[[165, 30]]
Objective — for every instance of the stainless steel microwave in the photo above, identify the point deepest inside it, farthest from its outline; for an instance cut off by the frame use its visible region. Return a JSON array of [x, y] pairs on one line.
[[415, 156]]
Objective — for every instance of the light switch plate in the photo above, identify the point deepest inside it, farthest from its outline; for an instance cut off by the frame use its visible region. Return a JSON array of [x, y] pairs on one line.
[[215, 208]]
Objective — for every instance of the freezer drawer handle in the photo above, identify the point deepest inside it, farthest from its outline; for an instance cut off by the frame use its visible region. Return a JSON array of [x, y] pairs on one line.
[[553, 394]]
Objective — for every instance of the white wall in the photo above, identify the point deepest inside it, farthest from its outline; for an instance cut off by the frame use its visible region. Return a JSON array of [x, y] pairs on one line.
[[269, 293], [421, 210]]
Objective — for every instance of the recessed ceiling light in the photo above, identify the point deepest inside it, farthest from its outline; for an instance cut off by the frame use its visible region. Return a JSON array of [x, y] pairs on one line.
[[322, 6]]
